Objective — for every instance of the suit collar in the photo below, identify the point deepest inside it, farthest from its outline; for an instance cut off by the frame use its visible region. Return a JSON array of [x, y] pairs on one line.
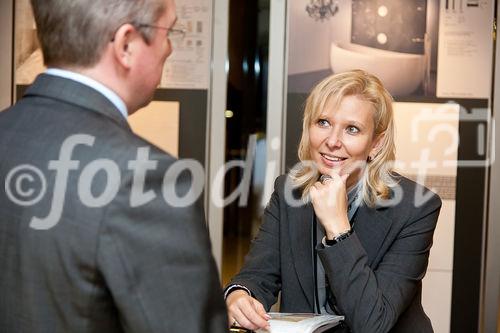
[[372, 226], [75, 93], [86, 80]]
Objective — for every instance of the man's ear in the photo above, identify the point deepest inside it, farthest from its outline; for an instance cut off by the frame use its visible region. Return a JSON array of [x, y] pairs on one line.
[[124, 44], [377, 145]]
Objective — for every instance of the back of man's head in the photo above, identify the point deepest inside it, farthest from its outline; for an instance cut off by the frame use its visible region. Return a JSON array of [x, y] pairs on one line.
[[74, 33]]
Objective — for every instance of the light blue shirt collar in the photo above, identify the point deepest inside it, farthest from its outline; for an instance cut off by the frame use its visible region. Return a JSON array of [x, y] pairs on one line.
[[108, 93]]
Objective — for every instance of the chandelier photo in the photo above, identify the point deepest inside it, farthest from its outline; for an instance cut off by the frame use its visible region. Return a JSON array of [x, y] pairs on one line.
[[322, 9]]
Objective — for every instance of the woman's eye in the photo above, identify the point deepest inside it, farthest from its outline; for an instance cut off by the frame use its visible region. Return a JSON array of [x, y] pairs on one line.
[[352, 129], [323, 123]]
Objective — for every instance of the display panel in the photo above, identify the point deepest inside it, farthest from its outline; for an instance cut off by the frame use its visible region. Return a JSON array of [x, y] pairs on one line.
[[27, 53], [420, 49], [158, 123], [427, 152], [188, 67], [402, 44]]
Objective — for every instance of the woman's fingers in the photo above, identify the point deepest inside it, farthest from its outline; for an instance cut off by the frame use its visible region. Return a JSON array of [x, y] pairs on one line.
[[329, 200], [247, 312], [252, 317], [248, 317], [344, 177], [259, 308], [240, 316], [330, 191]]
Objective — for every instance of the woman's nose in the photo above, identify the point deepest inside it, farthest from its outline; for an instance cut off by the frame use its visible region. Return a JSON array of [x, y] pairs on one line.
[[334, 139]]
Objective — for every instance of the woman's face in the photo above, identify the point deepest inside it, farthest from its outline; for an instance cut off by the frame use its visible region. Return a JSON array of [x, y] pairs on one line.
[[342, 138]]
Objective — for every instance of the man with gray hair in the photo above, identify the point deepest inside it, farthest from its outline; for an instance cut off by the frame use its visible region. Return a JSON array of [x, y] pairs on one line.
[[96, 248]]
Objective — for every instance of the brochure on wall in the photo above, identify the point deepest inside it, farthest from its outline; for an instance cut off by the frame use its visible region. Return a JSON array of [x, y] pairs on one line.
[[189, 65], [465, 48]]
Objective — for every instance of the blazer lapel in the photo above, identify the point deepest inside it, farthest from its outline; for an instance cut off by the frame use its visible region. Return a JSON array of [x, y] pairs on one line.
[[300, 227], [371, 226], [75, 93]]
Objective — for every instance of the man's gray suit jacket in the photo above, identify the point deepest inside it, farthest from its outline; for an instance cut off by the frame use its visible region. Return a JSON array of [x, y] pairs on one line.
[[375, 274], [111, 268]]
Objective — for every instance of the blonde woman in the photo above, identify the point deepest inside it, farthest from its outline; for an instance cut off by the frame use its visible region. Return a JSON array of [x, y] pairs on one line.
[[342, 233]]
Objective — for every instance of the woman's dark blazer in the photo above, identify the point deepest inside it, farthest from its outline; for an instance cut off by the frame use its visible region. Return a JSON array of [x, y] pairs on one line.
[[375, 274]]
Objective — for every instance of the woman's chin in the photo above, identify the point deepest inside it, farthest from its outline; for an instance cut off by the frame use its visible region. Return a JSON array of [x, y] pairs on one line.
[[324, 170]]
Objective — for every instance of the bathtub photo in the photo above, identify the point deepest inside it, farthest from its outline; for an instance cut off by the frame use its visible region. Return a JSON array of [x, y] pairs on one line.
[[394, 39]]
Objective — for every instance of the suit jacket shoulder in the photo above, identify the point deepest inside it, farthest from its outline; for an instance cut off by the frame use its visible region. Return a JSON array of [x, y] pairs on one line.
[[110, 264]]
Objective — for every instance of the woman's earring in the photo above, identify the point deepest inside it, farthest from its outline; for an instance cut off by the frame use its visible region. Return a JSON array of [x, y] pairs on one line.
[[369, 159]]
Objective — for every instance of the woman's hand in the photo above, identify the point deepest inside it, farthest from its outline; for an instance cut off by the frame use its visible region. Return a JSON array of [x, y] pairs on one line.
[[329, 200], [246, 311]]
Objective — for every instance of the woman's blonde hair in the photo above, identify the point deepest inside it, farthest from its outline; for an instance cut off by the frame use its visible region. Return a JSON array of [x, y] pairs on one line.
[[378, 176]]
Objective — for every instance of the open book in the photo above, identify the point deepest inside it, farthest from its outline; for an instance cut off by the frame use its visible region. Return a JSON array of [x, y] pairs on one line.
[[301, 322]]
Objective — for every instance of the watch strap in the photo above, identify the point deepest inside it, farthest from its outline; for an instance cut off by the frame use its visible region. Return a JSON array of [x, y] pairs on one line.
[[338, 238]]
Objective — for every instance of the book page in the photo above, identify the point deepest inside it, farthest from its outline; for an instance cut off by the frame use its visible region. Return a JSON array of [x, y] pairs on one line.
[[301, 322]]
